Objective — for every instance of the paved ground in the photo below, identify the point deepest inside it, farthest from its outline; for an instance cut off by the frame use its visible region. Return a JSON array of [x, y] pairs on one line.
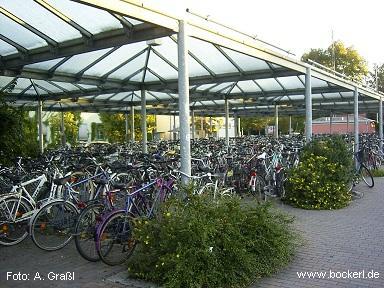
[[348, 239]]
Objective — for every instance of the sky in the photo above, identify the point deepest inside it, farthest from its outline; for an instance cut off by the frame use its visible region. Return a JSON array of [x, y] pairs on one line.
[[299, 25]]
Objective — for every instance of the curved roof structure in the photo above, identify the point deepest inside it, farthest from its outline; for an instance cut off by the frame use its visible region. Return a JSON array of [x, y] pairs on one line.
[[94, 55]]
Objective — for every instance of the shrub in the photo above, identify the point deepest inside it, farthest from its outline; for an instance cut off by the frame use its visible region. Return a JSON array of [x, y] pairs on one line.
[[321, 179], [378, 172], [211, 244]]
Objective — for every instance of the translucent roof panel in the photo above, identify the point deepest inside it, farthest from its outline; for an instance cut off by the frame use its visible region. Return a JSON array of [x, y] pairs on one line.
[[138, 77], [195, 69], [80, 61], [45, 65], [210, 56], [205, 87], [246, 62], [248, 86], [347, 94], [40, 18], [6, 49], [235, 90], [150, 77], [93, 19], [129, 68], [4, 80], [149, 97], [162, 96], [269, 84], [19, 34], [331, 95], [85, 86], [291, 82], [132, 21], [120, 96], [116, 58], [168, 49], [66, 86], [162, 68], [22, 83], [48, 86], [103, 96], [221, 86], [315, 82]]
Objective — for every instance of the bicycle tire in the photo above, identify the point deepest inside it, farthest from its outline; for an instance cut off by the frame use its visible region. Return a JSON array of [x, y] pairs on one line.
[[114, 240], [11, 232], [53, 225], [85, 231], [366, 175]]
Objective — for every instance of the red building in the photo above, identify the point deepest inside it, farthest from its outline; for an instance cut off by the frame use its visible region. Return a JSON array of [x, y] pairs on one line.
[[342, 125]]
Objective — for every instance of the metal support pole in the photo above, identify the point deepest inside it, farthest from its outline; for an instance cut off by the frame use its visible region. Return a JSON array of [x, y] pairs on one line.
[[381, 123], [276, 134], [330, 123], [40, 123], [174, 127], [356, 120], [144, 121], [210, 126], [62, 130], [239, 126], [226, 122], [347, 123], [202, 126], [290, 125], [308, 105], [126, 127], [183, 84], [132, 123], [39, 118], [193, 124], [236, 119]]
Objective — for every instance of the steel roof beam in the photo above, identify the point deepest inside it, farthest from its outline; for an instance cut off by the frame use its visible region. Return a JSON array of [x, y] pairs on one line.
[[65, 18], [102, 40], [52, 43]]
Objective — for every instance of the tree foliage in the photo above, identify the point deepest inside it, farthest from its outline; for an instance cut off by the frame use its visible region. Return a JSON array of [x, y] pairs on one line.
[[72, 121], [347, 60], [18, 133], [380, 76], [114, 126], [256, 125]]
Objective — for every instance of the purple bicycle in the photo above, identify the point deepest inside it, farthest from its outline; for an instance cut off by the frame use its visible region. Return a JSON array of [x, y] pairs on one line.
[[114, 241]]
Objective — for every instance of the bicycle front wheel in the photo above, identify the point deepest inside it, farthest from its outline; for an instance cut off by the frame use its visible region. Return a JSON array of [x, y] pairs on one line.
[[85, 231], [13, 223], [366, 175], [52, 227], [114, 240]]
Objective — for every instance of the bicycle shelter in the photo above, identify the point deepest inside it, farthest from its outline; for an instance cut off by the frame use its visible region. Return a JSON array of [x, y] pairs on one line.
[[119, 56]]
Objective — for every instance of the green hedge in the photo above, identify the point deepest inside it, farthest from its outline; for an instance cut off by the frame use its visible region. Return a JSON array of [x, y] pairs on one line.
[[207, 243], [321, 179]]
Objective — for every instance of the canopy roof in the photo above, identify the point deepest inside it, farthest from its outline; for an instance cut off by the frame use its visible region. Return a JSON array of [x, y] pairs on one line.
[[98, 55]]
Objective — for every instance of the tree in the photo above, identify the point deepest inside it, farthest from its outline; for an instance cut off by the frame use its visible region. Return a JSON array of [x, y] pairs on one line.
[[347, 60], [18, 132], [255, 125], [72, 121], [380, 75], [114, 126]]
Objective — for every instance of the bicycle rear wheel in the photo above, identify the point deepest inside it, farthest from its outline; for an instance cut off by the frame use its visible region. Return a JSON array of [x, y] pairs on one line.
[[52, 227], [366, 175], [85, 231], [114, 240]]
